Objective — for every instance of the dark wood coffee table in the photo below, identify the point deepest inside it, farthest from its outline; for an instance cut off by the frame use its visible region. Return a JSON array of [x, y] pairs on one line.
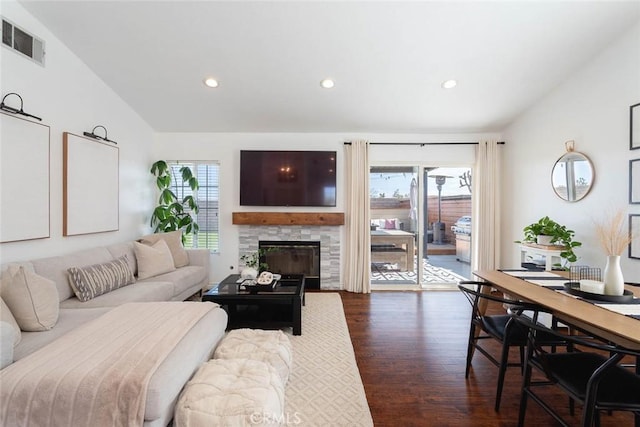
[[280, 307]]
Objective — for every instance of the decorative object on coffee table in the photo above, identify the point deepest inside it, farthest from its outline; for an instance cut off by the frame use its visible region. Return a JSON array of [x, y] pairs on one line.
[[249, 273], [252, 263]]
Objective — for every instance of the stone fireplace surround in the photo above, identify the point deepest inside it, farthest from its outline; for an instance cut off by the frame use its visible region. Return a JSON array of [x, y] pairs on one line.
[[327, 235], [306, 226]]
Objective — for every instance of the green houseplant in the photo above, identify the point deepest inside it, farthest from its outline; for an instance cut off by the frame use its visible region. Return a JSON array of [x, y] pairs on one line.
[[253, 260], [557, 234], [252, 263], [173, 214]]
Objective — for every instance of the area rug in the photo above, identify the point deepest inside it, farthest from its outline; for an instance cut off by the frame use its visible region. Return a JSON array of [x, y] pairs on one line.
[[325, 388]]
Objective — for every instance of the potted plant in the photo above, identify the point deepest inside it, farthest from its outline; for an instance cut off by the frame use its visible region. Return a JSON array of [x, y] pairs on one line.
[[548, 232], [252, 263], [173, 214]]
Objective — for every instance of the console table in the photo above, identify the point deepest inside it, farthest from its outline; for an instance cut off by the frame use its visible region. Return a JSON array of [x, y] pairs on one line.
[[551, 253]]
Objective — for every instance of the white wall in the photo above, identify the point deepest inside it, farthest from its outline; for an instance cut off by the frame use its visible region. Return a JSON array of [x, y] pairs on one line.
[[70, 97], [225, 148], [592, 108]]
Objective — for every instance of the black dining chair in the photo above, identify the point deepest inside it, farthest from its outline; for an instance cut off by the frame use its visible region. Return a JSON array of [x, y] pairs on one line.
[[499, 327], [590, 374]]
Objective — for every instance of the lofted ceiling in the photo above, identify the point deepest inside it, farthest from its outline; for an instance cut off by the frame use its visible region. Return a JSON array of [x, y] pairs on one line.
[[388, 59]]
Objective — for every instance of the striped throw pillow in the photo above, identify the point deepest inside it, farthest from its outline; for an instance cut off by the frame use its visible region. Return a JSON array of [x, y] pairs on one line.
[[93, 280]]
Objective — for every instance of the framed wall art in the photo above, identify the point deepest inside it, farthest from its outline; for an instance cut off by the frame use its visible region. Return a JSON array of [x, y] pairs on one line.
[[90, 186], [634, 231], [634, 127], [24, 179], [634, 181]]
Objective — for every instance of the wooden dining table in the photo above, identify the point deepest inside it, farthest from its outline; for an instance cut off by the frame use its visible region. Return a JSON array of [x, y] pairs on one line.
[[606, 324]]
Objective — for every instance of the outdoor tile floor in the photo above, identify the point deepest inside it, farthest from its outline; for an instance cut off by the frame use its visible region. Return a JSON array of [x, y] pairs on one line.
[[436, 269]]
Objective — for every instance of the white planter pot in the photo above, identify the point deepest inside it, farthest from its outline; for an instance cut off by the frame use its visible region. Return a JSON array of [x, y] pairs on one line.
[[544, 240], [249, 273]]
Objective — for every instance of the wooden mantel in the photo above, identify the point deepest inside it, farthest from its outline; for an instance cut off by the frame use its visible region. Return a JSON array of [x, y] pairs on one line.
[[288, 218]]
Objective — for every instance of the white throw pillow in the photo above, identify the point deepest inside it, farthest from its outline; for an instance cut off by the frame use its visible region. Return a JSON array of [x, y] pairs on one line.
[[32, 299], [173, 239], [153, 260], [7, 316]]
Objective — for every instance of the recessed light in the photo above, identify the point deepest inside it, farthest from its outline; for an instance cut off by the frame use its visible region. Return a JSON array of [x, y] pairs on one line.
[[327, 83], [449, 84], [211, 82]]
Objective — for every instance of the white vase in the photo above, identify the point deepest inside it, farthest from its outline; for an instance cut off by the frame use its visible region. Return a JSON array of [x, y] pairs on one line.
[[249, 273], [613, 280], [544, 240]]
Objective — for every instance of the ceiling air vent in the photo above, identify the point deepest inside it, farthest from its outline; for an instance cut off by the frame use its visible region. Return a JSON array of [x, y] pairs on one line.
[[22, 42]]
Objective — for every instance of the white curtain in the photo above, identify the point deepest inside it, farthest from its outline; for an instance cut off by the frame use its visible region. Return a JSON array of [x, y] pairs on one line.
[[357, 256], [486, 207]]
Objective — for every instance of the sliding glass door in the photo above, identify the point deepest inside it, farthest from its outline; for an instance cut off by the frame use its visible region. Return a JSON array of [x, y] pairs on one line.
[[394, 217], [420, 226], [447, 224]]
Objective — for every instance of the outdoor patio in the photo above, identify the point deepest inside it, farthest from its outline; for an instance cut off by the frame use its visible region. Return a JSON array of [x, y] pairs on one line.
[[437, 269]]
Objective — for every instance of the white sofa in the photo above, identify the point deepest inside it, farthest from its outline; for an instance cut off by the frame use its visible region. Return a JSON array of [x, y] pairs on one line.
[[194, 349]]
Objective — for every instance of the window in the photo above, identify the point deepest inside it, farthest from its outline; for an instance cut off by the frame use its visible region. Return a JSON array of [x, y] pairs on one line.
[[207, 197]]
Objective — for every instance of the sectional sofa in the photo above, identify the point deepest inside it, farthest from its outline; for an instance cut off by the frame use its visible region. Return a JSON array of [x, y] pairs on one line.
[[84, 286]]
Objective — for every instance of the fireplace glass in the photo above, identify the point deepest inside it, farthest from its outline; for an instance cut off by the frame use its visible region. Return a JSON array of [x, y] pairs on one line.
[[293, 257]]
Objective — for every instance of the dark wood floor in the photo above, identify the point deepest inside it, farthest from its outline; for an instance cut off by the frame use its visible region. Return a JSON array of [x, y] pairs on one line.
[[411, 349]]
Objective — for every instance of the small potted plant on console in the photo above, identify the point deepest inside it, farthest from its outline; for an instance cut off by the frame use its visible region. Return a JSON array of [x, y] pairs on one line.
[[547, 232]]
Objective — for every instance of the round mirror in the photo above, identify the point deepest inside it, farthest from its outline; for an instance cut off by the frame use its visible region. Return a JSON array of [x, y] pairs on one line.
[[572, 176]]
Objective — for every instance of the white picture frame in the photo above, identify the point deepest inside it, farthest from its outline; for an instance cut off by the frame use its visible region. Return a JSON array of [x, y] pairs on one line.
[[90, 170], [24, 179]]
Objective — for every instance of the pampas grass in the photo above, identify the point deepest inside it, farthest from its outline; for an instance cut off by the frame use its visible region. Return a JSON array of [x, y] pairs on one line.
[[612, 234]]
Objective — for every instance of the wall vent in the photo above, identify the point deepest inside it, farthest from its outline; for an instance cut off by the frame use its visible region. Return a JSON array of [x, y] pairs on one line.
[[21, 41]]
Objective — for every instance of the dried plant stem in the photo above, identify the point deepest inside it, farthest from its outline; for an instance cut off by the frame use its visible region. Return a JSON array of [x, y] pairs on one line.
[[612, 234]]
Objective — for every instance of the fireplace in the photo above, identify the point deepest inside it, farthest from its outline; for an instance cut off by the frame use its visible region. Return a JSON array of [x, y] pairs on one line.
[[327, 235], [293, 257]]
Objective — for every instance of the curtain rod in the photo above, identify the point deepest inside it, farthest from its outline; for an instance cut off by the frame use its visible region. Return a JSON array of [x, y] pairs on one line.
[[422, 144]]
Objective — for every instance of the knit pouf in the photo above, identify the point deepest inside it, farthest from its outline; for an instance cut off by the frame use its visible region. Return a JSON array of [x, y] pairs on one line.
[[234, 392], [272, 347]]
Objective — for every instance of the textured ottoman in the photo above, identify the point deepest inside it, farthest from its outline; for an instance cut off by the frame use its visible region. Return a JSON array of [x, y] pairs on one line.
[[236, 392], [272, 347]]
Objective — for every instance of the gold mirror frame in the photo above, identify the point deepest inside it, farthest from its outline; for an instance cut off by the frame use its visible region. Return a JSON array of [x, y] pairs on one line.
[[573, 175]]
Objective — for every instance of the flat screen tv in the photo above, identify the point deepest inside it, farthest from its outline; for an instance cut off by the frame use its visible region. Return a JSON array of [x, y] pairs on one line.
[[287, 178]]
